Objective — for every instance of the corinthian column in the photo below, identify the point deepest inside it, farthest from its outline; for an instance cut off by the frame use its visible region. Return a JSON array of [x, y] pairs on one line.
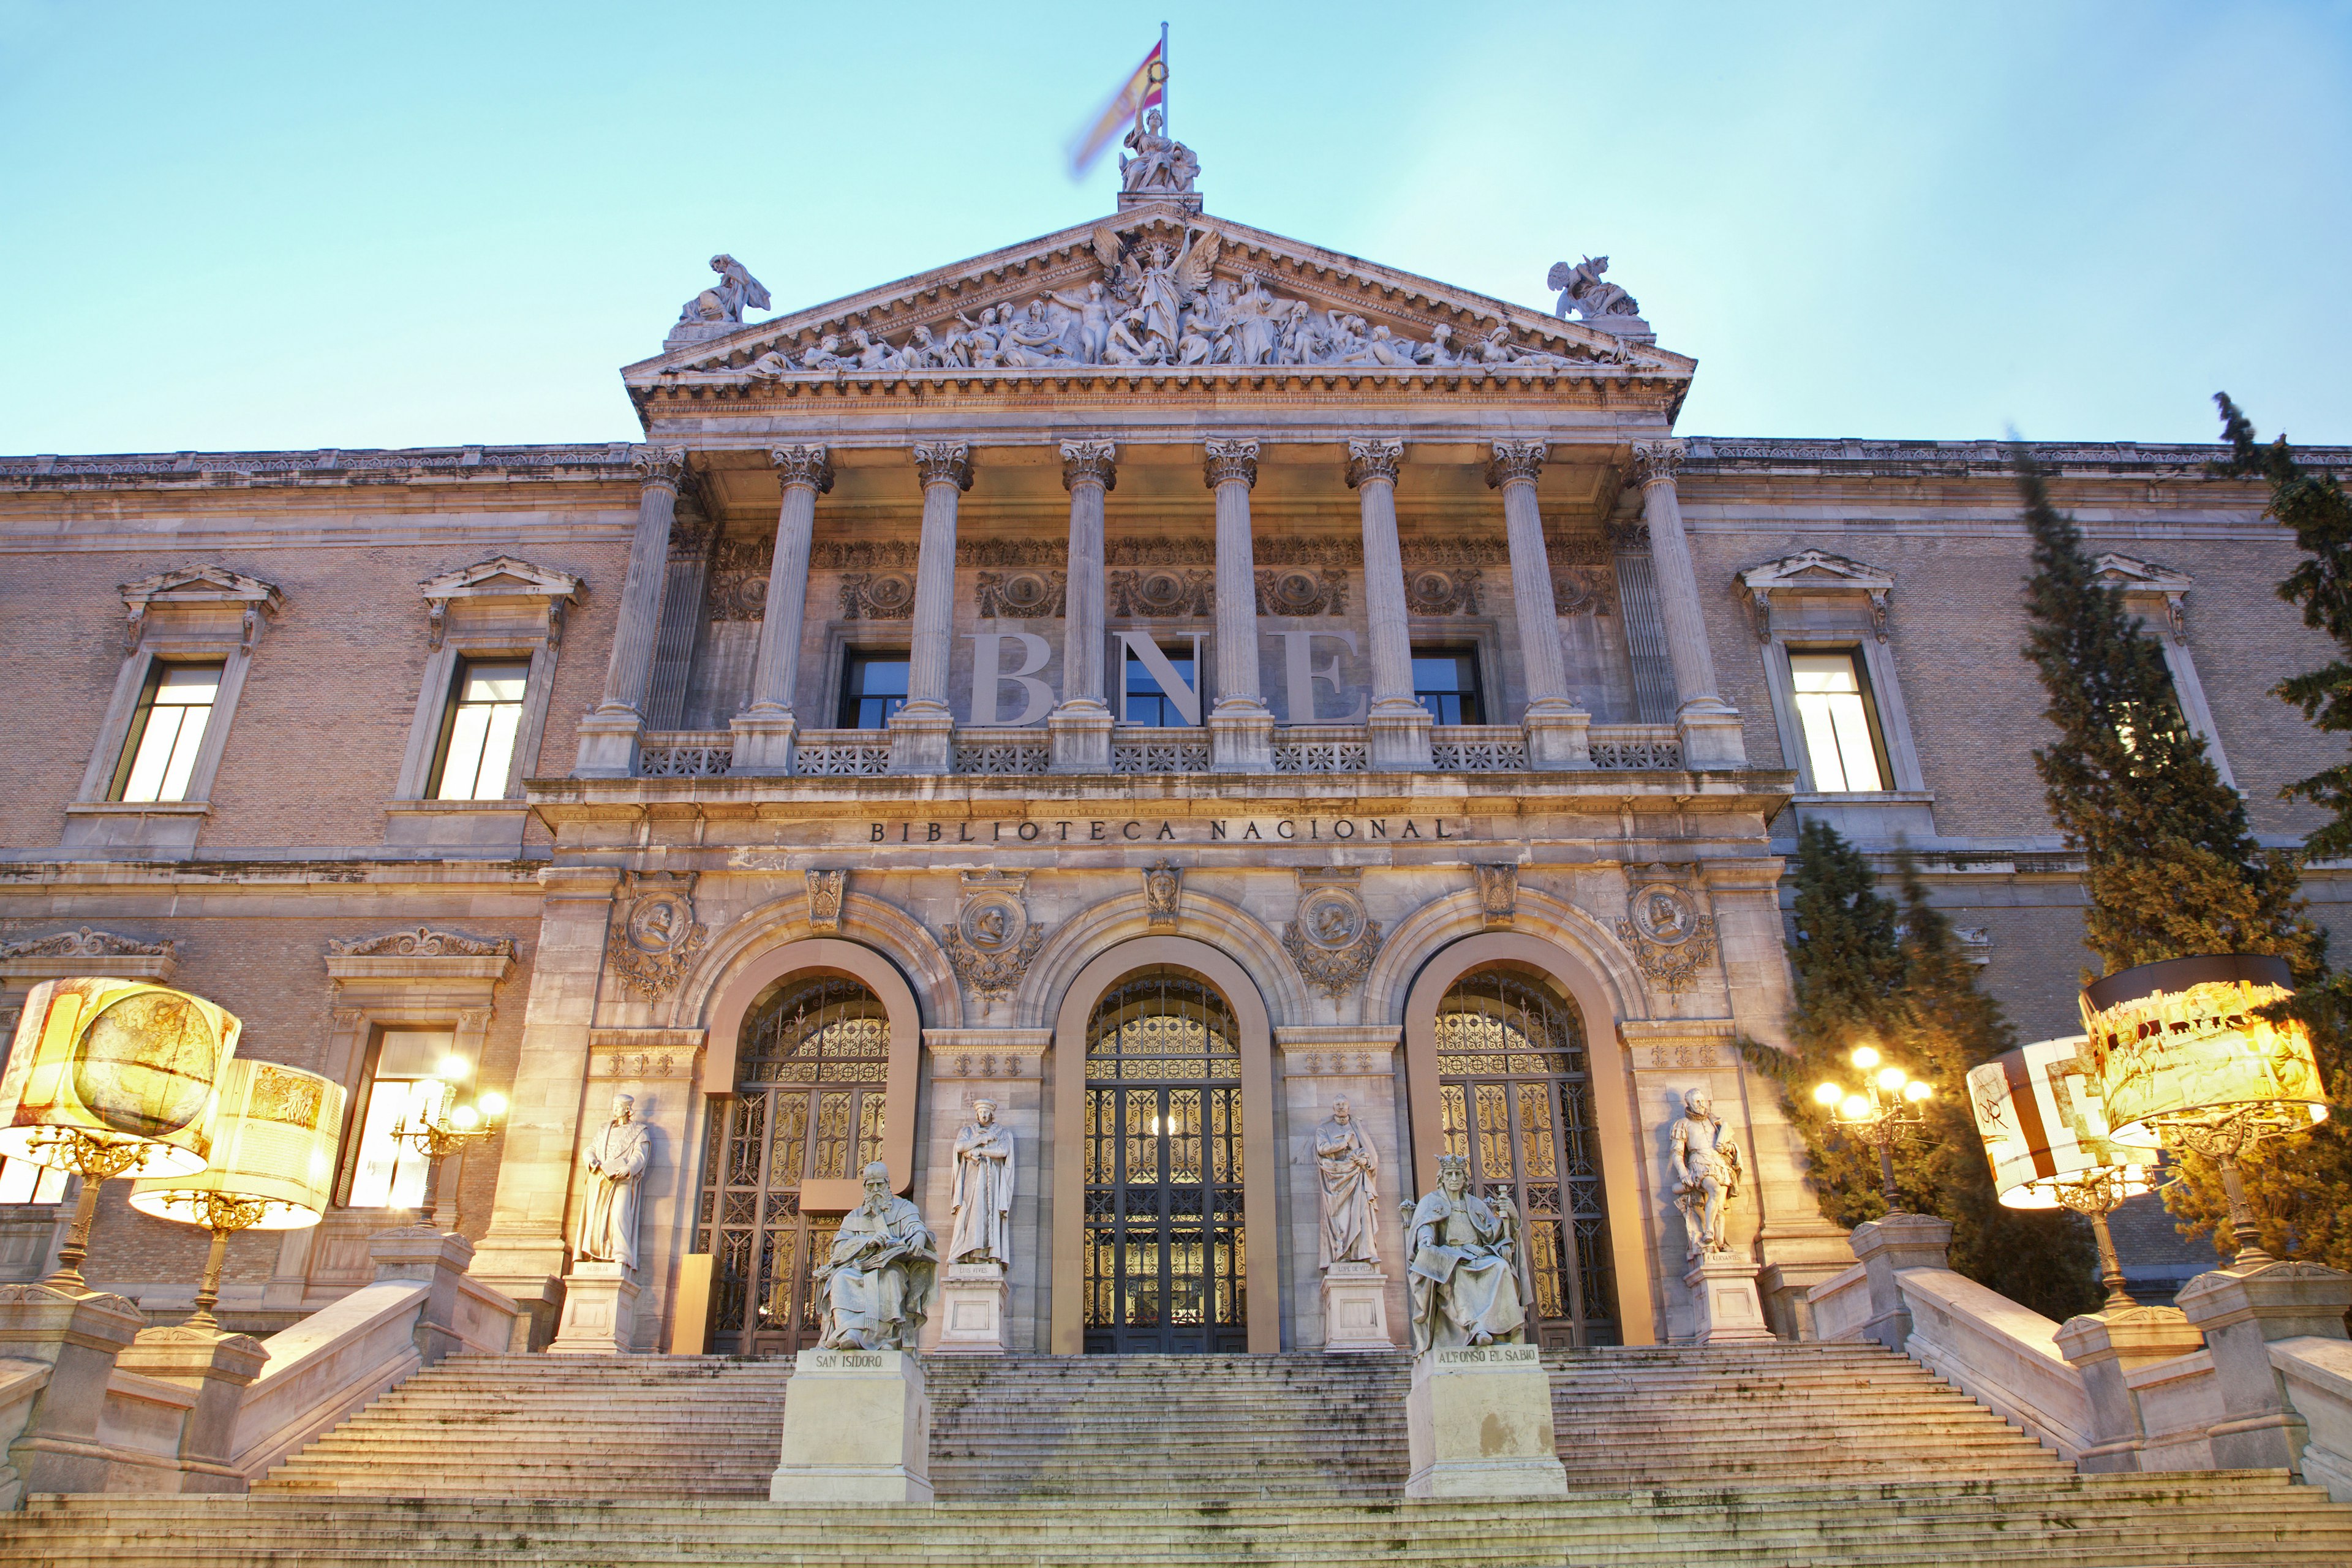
[[1709, 726], [920, 732], [1241, 727], [1557, 728], [765, 730], [1080, 725], [1399, 725], [609, 735]]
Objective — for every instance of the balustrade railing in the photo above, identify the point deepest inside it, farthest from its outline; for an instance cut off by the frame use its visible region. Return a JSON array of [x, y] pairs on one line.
[[1140, 749], [841, 754], [1623, 747], [1478, 748], [1321, 748], [1001, 752], [686, 753]]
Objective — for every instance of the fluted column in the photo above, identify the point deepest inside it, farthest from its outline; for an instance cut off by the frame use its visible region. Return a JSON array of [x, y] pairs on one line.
[[923, 730], [1080, 725], [1241, 726], [765, 730], [609, 735], [1399, 723], [1558, 729], [1710, 726]]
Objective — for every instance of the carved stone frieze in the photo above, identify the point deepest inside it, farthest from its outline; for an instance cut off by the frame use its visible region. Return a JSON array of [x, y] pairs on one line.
[[1431, 592], [1670, 940], [1164, 889], [826, 891], [877, 595], [84, 942], [655, 936], [1497, 882], [422, 943], [993, 939], [1334, 938], [1584, 590], [1299, 591], [1027, 595], [1160, 595], [860, 555]]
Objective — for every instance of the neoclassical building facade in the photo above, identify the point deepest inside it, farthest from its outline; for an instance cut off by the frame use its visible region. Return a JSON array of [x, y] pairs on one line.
[[1161, 680]]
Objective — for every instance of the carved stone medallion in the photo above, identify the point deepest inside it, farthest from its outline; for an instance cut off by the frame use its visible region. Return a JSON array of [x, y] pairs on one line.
[[992, 940], [1670, 940], [1301, 592], [826, 892], [1026, 595], [1334, 938], [1163, 885], [1161, 594], [877, 596], [1450, 592], [1583, 591], [655, 939]]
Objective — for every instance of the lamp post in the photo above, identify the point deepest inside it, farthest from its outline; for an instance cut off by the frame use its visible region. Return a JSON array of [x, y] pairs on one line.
[[444, 1125], [273, 1165], [1888, 1106], [2182, 1053], [109, 1078], [2047, 1137]]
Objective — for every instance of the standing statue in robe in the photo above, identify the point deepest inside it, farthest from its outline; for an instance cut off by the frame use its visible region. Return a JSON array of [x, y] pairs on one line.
[[982, 1231], [616, 1160], [879, 1280], [1465, 1269], [1703, 1171], [1349, 1169]]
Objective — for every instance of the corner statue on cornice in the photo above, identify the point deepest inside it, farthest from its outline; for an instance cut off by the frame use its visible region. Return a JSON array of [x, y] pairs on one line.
[[737, 288], [1160, 162], [1601, 304]]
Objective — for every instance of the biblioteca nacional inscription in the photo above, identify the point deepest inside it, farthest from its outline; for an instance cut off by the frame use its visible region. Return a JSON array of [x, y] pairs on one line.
[[1147, 830]]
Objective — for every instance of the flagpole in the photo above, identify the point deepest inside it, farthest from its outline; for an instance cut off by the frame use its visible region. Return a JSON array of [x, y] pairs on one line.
[[1167, 127]]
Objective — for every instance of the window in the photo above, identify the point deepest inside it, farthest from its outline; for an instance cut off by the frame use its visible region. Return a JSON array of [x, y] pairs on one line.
[[166, 731], [1833, 705], [22, 1181], [1445, 681], [873, 687], [1144, 699], [478, 739], [385, 1172]]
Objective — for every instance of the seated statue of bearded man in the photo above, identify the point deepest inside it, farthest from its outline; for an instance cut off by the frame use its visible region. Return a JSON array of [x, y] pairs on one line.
[[883, 1272], [1465, 1267]]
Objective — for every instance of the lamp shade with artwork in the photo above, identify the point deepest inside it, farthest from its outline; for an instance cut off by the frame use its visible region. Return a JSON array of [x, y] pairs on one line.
[[2045, 1127], [2182, 1043], [275, 1134], [116, 1072]]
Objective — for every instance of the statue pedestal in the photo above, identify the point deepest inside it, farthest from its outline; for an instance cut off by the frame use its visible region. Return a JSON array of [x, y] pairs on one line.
[[1355, 1310], [1723, 1288], [972, 1309], [857, 1428], [1478, 1422], [600, 1311]]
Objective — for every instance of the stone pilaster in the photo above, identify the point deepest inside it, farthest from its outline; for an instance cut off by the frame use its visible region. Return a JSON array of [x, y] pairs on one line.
[[1399, 725], [1080, 724], [921, 731], [1241, 726], [609, 735], [765, 730], [1558, 729], [1709, 726]]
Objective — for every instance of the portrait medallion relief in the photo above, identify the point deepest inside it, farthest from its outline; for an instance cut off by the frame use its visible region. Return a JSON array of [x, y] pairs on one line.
[[877, 595], [655, 938], [1334, 938], [1670, 940], [1298, 591], [1161, 594], [1449, 592], [993, 939], [1025, 595]]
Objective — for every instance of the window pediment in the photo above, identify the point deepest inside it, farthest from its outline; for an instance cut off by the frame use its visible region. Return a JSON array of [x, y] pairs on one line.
[[503, 581], [213, 591], [1816, 572]]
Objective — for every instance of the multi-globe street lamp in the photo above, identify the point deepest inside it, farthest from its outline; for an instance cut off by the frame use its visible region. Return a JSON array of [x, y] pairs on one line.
[[1889, 1105]]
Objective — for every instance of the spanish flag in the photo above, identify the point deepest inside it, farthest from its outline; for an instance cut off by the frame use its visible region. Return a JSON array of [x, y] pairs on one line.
[[1148, 86]]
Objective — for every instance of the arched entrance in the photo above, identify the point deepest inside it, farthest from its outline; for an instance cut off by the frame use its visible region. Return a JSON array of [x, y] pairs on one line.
[[809, 1106], [1515, 1084], [1164, 1268]]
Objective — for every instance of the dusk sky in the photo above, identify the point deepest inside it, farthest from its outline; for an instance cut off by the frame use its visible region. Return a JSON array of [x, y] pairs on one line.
[[247, 226]]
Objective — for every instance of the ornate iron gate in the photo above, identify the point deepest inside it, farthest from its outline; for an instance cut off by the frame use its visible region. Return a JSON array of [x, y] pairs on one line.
[[808, 1105], [1164, 1264], [1516, 1085]]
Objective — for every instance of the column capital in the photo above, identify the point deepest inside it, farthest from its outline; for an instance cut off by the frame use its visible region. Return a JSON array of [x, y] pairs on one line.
[[660, 464], [944, 463], [811, 465], [1096, 460], [1223, 460], [1657, 462], [1373, 460], [1515, 461]]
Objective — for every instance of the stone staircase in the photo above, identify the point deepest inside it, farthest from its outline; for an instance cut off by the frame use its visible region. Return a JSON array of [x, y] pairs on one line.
[[1778, 1454]]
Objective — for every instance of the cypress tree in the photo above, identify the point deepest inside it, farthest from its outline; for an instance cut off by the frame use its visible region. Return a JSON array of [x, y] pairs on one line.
[[2171, 867], [1888, 970]]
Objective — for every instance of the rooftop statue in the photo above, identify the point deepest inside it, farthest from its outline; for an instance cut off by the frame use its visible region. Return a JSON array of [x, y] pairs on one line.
[[737, 288], [1599, 301], [1160, 162]]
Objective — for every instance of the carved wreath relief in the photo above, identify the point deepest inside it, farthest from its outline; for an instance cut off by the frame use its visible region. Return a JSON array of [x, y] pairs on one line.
[[1448, 592], [1670, 940], [1301, 592], [1334, 938], [656, 938], [1161, 594], [992, 941], [877, 596], [1028, 595]]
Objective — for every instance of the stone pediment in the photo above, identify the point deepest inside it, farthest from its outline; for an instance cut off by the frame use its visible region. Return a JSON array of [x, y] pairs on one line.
[[1155, 291], [501, 577], [1816, 569], [2115, 569]]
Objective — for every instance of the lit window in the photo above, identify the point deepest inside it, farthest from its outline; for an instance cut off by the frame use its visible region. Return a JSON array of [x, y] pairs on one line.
[[1145, 699], [22, 1181], [477, 742], [385, 1172], [1834, 710], [873, 687], [1445, 681], [167, 732]]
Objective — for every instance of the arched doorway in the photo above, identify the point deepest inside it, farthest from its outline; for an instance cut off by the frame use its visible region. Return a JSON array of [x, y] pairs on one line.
[[809, 1106], [1163, 1262], [1514, 1087]]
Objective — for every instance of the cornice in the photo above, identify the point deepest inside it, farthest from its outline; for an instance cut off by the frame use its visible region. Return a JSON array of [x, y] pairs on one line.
[[329, 468], [1727, 455]]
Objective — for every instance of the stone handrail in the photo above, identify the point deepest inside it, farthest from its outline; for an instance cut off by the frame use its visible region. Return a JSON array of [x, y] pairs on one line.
[[2318, 1377], [1841, 1305], [2002, 1355], [325, 1367], [2180, 1402]]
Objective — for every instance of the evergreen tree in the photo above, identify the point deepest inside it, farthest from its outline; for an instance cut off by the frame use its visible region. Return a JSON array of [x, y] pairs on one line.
[[1871, 968], [2171, 865]]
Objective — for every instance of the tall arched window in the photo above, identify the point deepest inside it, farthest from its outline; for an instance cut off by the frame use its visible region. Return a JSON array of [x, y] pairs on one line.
[[1163, 1259], [808, 1106], [1514, 1082]]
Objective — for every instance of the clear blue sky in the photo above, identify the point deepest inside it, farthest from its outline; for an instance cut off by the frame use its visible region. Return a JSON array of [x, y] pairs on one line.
[[253, 226]]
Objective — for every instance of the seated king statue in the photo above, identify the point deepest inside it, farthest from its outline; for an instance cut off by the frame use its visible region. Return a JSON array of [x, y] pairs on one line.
[[1466, 1267], [882, 1274]]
